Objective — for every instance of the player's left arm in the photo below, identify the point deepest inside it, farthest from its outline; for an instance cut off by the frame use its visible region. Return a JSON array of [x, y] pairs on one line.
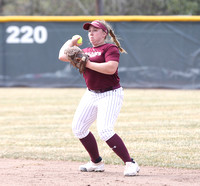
[[112, 61], [108, 67]]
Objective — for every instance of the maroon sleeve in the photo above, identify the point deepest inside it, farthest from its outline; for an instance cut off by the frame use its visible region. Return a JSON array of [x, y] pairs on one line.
[[112, 54]]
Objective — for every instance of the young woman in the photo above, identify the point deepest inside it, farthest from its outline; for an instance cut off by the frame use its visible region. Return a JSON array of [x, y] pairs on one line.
[[103, 98]]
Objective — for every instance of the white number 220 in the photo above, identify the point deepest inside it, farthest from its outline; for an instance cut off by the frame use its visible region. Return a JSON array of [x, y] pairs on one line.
[[26, 34]]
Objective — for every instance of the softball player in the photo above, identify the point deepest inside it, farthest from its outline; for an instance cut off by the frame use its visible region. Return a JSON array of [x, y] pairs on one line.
[[103, 98]]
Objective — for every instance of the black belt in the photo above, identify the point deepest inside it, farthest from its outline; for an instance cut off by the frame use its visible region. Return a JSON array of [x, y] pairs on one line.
[[103, 90]]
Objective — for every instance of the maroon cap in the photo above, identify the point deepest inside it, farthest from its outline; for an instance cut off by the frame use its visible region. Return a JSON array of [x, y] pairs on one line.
[[96, 24]]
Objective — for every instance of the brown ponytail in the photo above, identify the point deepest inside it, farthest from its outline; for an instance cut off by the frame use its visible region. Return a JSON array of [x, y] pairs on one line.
[[115, 40], [113, 36]]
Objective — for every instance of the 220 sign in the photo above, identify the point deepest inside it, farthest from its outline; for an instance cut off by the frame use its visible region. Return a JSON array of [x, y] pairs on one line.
[[26, 34]]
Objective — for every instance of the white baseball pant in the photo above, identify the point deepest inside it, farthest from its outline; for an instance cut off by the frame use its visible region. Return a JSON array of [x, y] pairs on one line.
[[103, 107]]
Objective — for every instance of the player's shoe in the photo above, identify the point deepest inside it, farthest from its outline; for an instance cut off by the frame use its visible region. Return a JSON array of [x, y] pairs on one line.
[[131, 169], [90, 166]]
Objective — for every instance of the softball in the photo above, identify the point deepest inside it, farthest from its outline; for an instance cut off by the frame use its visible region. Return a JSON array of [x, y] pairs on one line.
[[80, 39]]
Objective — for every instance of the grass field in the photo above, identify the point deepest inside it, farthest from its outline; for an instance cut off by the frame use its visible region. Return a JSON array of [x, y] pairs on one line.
[[159, 127]]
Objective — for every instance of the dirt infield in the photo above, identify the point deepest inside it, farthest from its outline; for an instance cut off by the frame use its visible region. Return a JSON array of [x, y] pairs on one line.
[[62, 173]]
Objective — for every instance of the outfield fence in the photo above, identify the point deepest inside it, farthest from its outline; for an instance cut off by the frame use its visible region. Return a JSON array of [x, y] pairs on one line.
[[163, 51]]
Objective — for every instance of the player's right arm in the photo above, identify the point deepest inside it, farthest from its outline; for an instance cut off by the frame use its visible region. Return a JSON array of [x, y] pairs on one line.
[[62, 55], [67, 44]]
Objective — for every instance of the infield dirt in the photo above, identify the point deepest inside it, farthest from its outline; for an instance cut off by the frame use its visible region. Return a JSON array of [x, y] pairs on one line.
[[63, 173]]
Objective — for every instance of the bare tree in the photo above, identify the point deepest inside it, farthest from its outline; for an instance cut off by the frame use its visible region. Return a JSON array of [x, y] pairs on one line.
[[1, 6], [99, 7]]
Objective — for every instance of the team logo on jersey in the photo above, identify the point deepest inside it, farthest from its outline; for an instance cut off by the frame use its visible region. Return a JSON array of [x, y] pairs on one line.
[[93, 54]]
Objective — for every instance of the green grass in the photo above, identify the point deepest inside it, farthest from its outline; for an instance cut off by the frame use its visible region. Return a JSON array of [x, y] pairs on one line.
[[159, 127]]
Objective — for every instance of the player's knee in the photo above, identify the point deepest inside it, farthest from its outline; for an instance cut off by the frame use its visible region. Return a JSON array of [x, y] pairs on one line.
[[79, 133], [106, 134]]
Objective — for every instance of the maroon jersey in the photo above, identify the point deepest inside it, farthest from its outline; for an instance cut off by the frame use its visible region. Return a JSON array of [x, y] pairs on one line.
[[104, 53]]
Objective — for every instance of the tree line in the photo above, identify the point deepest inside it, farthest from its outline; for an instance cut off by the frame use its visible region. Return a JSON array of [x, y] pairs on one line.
[[92, 7]]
